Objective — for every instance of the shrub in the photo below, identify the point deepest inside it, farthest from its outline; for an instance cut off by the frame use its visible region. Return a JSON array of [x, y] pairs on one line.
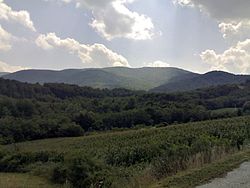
[[81, 171], [59, 174]]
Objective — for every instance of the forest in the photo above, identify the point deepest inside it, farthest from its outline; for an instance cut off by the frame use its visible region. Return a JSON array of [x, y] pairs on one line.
[[83, 137], [34, 111]]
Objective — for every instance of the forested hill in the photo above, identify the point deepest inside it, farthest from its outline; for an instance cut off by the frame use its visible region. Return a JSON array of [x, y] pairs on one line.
[[16, 89], [209, 79], [3, 73], [114, 77], [34, 111], [164, 80]]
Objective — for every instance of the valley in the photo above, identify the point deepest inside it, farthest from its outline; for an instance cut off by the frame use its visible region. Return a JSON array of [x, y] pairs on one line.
[[70, 136]]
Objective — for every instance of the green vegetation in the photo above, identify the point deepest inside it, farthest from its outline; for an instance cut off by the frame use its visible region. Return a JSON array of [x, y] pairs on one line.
[[198, 176], [224, 112], [155, 79], [14, 180], [209, 79], [125, 158], [33, 111], [121, 137], [114, 77]]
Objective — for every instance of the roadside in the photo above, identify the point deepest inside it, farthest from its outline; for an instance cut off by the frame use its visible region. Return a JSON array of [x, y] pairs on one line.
[[238, 178], [195, 177]]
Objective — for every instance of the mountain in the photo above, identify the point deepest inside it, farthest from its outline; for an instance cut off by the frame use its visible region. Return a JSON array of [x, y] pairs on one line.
[[115, 77], [147, 78], [213, 78], [3, 73]]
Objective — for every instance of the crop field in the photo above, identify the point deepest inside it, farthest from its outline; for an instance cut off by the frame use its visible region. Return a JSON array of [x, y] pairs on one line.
[[128, 157]]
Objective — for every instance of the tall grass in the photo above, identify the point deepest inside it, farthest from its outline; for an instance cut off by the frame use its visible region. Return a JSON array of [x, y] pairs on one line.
[[125, 157]]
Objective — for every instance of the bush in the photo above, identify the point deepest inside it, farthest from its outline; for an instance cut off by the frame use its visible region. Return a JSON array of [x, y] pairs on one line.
[[246, 107], [59, 174], [18, 162], [81, 171]]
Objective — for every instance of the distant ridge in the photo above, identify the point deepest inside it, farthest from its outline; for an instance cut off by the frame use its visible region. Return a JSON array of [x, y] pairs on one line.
[[115, 77], [164, 80], [3, 73], [213, 78]]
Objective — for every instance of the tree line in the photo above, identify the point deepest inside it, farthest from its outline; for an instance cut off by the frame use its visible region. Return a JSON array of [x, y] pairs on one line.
[[34, 111]]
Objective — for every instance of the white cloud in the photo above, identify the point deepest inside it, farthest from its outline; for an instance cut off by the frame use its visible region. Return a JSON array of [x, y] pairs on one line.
[[5, 40], [22, 17], [96, 55], [183, 2], [4, 67], [221, 9], [112, 19], [158, 64], [235, 29], [233, 19], [233, 15], [235, 59]]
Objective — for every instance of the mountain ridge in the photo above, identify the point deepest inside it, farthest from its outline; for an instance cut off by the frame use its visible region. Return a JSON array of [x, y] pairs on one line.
[[160, 80], [213, 78], [113, 77], [3, 73]]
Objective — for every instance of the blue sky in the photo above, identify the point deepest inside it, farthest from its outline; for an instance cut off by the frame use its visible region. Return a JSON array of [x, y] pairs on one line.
[[197, 35]]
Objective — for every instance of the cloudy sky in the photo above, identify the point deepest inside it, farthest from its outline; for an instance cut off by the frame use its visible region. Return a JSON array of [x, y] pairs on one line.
[[197, 35]]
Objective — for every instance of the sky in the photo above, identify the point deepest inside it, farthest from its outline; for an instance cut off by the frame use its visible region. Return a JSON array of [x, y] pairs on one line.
[[196, 35]]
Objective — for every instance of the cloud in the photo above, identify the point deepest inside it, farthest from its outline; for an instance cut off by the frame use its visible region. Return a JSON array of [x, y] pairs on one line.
[[235, 29], [233, 19], [183, 2], [221, 9], [112, 19], [22, 17], [158, 64], [5, 40], [235, 59], [233, 15], [4, 67], [96, 55]]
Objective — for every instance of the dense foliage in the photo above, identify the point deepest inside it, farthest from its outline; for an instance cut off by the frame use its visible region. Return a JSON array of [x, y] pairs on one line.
[[33, 111], [119, 158]]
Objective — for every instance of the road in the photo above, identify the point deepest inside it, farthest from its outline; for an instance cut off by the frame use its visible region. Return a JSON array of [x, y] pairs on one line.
[[238, 178]]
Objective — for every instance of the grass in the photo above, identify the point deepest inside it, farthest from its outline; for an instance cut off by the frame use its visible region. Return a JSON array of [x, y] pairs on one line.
[[224, 110], [15, 180], [101, 142], [131, 156], [194, 177], [185, 179]]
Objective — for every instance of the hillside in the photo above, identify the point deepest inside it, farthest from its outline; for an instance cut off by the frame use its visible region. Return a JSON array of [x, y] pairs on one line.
[[3, 73], [150, 77], [34, 111], [209, 79], [115, 77], [154, 79], [114, 160], [121, 136]]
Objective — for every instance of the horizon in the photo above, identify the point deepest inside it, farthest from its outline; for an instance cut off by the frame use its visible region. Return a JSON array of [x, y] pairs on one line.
[[59, 70], [198, 36]]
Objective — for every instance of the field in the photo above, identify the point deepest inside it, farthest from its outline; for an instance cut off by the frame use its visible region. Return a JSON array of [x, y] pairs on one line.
[[14, 180], [199, 176], [184, 179], [127, 158]]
